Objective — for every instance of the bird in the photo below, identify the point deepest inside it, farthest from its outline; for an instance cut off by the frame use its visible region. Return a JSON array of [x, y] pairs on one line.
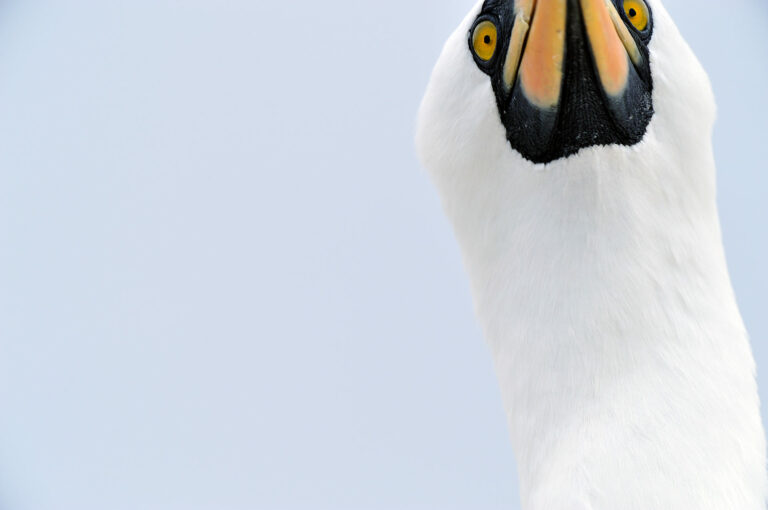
[[570, 143]]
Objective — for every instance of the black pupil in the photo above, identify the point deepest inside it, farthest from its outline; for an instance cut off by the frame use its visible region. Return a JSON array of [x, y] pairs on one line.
[[632, 13], [487, 39]]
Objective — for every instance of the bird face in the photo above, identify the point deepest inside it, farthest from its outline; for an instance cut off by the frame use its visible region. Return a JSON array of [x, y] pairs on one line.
[[566, 74], [593, 92]]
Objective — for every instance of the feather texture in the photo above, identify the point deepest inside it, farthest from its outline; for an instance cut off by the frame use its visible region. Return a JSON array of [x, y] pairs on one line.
[[601, 284]]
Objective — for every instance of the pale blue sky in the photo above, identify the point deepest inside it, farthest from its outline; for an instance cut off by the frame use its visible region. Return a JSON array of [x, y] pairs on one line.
[[226, 284]]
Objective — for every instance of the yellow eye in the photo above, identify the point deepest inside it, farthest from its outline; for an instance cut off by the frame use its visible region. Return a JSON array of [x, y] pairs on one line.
[[637, 13], [484, 40]]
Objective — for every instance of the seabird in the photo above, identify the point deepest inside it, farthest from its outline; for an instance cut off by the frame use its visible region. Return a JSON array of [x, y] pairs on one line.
[[570, 142]]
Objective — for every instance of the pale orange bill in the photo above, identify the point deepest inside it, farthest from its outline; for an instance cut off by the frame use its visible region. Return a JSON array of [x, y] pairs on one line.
[[629, 43], [541, 70], [523, 13], [608, 50], [524, 8]]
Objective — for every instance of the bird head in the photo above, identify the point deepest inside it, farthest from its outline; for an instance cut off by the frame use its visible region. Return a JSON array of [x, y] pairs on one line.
[[548, 83]]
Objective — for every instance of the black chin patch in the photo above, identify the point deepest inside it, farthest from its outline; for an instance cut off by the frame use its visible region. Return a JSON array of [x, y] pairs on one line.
[[586, 116]]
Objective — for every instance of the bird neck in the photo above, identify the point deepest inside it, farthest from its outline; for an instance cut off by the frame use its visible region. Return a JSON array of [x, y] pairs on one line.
[[623, 362]]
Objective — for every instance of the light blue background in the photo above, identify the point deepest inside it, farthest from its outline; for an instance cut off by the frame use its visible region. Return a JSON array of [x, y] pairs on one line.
[[225, 283]]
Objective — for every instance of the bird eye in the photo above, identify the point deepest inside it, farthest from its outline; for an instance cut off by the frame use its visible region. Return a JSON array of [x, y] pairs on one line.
[[637, 13], [484, 39]]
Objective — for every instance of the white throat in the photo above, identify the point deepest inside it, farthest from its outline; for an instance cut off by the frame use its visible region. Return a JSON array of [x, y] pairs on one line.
[[601, 284]]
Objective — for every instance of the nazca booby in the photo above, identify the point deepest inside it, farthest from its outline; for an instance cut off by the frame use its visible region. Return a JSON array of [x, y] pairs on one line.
[[570, 141]]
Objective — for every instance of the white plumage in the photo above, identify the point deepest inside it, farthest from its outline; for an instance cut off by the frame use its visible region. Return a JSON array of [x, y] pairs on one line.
[[601, 284]]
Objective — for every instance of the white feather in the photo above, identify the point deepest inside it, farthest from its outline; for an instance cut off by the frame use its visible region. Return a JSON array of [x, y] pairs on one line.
[[601, 284]]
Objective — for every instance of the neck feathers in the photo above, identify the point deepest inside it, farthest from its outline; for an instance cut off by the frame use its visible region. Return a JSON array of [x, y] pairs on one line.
[[623, 362]]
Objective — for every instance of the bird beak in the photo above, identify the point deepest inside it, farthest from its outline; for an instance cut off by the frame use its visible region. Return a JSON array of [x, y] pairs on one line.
[[612, 45], [541, 67], [533, 70]]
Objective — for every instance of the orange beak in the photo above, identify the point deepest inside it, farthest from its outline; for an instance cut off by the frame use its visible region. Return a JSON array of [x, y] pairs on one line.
[[570, 74], [536, 52]]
